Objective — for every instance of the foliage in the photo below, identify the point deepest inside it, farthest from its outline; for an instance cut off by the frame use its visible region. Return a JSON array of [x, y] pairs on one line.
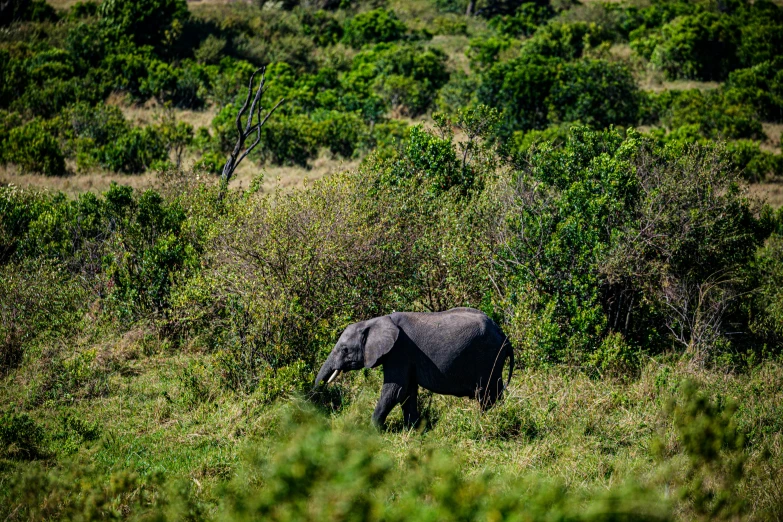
[[34, 149], [374, 26], [148, 22], [20, 436], [38, 302], [578, 233], [713, 443], [594, 92]]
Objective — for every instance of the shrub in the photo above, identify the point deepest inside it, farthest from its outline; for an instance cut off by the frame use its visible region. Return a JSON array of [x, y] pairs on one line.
[[520, 89], [341, 132], [26, 10], [34, 148], [289, 140], [589, 267], [594, 92], [405, 75], [525, 22], [485, 52], [714, 446], [711, 111], [701, 47], [210, 51], [20, 436], [146, 21], [754, 164], [565, 40], [378, 25], [310, 261], [760, 87], [430, 160], [36, 302], [767, 310], [133, 152]]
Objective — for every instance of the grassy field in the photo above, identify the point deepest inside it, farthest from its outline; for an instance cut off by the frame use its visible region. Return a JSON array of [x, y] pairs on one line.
[[155, 413]]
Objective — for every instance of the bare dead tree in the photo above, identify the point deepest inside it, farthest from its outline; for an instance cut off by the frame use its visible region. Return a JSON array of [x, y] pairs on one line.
[[240, 151]]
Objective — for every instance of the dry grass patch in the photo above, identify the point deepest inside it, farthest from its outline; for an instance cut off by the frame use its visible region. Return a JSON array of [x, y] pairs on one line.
[[770, 191]]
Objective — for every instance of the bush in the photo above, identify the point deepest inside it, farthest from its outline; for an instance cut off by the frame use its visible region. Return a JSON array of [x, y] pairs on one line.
[[525, 22], [146, 21], [700, 47], [374, 26], [26, 10], [590, 269], [767, 310], [342, 133], [520, 89], [36, 302], [289, 140], [133, 152], [594, 92], [760, 87], [755, 164], [20, 436], [312, 260], [34, 148], [210, 51], [565, 40], [714, 115]]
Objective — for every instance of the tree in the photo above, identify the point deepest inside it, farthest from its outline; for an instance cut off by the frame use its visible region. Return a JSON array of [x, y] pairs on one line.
[[147, 21]]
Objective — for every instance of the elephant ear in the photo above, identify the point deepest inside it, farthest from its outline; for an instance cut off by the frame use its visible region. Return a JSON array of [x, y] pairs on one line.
[[379, 339]]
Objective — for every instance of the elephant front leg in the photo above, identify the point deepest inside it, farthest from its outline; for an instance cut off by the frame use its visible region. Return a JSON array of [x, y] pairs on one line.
[[391, 394]]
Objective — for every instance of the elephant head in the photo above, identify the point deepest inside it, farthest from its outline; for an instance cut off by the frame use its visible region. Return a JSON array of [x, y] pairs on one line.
[[361, 345]]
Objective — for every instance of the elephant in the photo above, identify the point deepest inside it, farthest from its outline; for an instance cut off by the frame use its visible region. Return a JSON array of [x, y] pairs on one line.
[[458, 352]]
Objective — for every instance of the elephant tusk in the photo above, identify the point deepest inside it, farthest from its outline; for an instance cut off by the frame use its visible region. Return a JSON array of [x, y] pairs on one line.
[[333, 377]]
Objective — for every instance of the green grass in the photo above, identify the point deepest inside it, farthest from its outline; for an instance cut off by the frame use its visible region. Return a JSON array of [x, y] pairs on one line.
[[156, 418]]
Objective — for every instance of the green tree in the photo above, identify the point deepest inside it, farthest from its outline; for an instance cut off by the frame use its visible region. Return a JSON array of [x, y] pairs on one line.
[[148, 22]]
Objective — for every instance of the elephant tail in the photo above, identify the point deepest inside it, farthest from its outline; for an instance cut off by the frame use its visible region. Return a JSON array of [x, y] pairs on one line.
[[511, 362]]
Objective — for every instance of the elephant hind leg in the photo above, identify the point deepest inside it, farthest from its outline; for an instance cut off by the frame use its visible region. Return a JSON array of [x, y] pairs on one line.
[[487, 397], [410, 410]]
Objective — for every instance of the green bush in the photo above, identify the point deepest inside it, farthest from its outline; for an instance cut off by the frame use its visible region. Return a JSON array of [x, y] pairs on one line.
[[760, 87], [146, 21], [342, 133], [755, 164], [520, 89], [20, 436], [594, 92], [374, 26], [34, 148], [702, 47], [525, 22], [579, 222], [26, 10], [36, 303], [565, 40], [714, 114], [133, 152], [289, 140], [767, 309], [429, 159]]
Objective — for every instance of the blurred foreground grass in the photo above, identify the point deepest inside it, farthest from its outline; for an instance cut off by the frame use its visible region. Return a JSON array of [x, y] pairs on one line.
[[160, 438]]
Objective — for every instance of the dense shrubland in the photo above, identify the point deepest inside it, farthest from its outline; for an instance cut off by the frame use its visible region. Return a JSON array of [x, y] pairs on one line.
[[351, 70], [157, 346]]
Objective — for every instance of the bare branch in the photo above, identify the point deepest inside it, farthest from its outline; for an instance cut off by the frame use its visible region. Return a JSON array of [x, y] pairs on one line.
[[238, 154]]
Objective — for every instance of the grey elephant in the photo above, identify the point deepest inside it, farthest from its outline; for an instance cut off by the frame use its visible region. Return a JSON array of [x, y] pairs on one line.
[[458, 352]]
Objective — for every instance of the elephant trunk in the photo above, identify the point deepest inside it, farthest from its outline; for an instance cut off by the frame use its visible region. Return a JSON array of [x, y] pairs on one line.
[[327, 371]]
